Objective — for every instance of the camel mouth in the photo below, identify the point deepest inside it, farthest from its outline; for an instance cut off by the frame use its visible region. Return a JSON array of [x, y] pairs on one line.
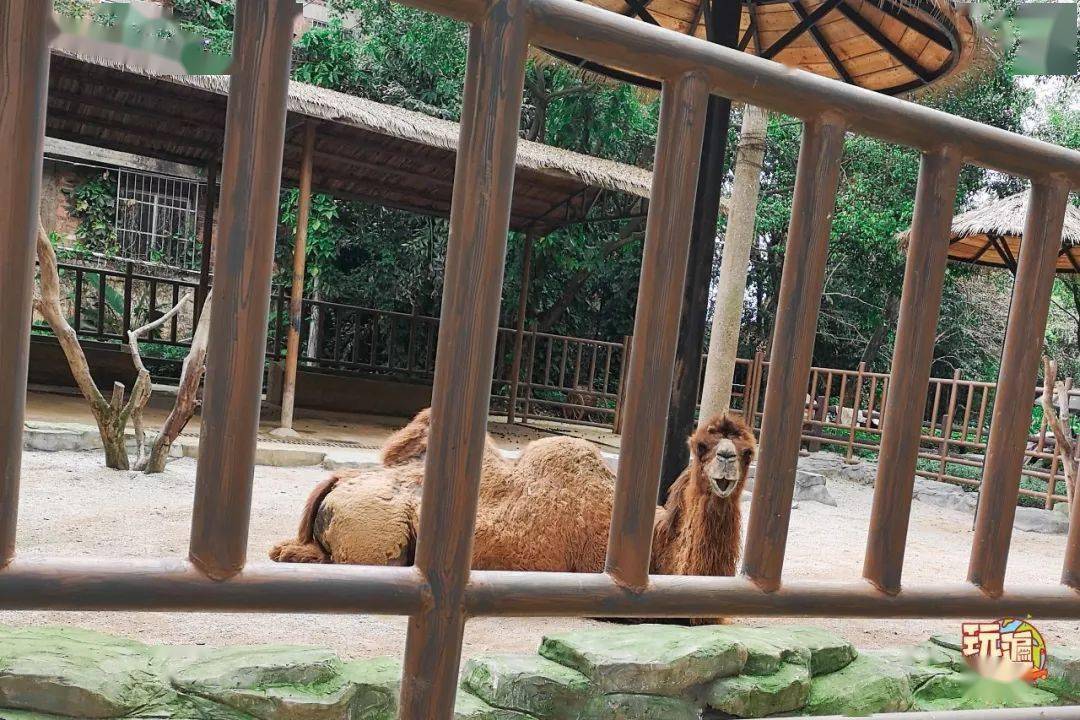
[[723, 487]]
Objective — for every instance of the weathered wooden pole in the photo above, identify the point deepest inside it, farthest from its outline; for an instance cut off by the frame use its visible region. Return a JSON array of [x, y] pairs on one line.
[[251, 179], [461, 393], [801, 285], [668, 238], [296, 295], [26, 28], [519, 334], [924, 278], [722, 28], [1024, 336], [207, 258]]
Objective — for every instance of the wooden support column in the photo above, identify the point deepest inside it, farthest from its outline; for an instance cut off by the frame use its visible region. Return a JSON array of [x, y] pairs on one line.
[[1020, 355], [26, 28], [722, 27], [519, 335], [924, 277], [296, 295], [207, 258], [801, 285], [648, 377], [475, 258], [251, 180]]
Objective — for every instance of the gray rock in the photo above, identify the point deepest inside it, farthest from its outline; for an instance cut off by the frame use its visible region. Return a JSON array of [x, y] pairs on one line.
[[1065, 665], [754, 696], [944, 495], [1046, 522], [811, 486], [647, 659], [835, 467], [527, 683], [866, 686], [1062, 507]]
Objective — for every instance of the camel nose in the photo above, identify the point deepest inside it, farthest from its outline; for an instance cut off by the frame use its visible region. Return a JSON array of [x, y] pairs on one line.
[[726, 449]]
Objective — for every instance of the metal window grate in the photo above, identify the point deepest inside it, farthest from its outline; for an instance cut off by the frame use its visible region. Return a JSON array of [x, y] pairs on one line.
[[157, 219]]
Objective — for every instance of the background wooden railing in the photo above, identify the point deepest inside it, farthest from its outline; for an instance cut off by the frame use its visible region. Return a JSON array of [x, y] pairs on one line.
[[567, 379]]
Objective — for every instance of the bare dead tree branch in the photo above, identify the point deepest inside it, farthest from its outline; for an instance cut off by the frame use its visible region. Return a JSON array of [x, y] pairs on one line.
[[1065, 443]]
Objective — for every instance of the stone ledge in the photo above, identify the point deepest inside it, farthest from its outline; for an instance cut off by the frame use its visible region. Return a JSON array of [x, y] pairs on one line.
[[642, 672]]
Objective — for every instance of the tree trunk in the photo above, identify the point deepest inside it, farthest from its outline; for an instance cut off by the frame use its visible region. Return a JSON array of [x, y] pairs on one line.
[[877, 338], [111, 417], [738, 242], [1065, 444], [187, 394]]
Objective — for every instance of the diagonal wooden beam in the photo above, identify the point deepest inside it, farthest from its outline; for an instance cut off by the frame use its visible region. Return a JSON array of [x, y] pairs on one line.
[[638, 7], [752, 6], [745, 39], [888, 45], [822, 43], [805, 23], [914, 22]]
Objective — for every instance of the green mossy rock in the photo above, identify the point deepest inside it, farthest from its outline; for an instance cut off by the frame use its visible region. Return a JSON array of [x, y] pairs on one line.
[[828, 652], [647, 659], [865, 686], [923, 662], [755, 696], [470, 707], [766, 648], [527, 683], [78, 673], [967, 691], [624, 706]]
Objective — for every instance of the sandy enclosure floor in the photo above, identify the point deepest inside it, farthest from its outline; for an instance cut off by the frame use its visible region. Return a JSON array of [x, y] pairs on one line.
[[72, 506]]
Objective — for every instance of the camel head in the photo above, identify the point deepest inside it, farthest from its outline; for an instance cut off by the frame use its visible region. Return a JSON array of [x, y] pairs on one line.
[[721, 451]]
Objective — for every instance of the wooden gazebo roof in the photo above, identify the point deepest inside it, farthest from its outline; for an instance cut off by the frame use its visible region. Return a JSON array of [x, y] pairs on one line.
[[891, 46], [364, 150], [991, 235]]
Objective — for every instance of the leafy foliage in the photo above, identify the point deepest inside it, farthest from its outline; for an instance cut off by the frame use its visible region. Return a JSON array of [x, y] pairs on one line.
[[93, 203]]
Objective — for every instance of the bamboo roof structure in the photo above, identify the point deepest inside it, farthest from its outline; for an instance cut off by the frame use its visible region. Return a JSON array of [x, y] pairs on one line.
[[890, 46], [365, 150], [991, 235]]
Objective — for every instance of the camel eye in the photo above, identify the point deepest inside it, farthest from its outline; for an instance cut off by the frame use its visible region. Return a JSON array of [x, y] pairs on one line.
[[747, 455], [702, 449]]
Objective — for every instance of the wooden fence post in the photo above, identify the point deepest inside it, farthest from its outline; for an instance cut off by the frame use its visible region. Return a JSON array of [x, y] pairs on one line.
[[251, 176], [26, 28], [479, 222]]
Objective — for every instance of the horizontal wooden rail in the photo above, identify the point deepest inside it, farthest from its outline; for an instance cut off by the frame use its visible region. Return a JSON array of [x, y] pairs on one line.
[[98, 584]]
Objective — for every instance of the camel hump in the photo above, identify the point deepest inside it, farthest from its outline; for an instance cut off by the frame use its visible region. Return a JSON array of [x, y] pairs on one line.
[[571, 459], [410, 442]]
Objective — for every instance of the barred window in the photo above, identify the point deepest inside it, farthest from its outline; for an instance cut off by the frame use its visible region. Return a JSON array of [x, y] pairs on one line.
[[157, 219]]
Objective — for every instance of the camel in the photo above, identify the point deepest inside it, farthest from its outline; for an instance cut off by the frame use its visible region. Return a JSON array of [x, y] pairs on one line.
[[550, 510]]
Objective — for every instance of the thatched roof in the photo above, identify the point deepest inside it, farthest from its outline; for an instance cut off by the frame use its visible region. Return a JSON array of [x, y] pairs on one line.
[[991, 234], [891, 46], [364, 150]]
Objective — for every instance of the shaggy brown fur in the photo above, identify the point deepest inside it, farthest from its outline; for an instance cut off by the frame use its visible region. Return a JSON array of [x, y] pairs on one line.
[[549, 511]]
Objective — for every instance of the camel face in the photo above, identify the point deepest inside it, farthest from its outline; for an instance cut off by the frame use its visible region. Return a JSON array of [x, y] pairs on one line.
[[723, 448]]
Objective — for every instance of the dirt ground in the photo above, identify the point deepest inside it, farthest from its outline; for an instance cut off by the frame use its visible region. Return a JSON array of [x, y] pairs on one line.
[[72, 506]]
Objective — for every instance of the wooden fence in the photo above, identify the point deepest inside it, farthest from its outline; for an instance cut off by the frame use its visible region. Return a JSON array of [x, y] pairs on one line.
[[441, 591], [565, 379]]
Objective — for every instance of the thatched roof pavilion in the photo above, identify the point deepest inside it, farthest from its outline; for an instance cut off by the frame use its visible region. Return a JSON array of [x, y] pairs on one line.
[[891, 46], [364, 150], [991, 235]]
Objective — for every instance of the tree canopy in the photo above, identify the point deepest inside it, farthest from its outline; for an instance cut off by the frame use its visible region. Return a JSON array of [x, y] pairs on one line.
[[585, 276]]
